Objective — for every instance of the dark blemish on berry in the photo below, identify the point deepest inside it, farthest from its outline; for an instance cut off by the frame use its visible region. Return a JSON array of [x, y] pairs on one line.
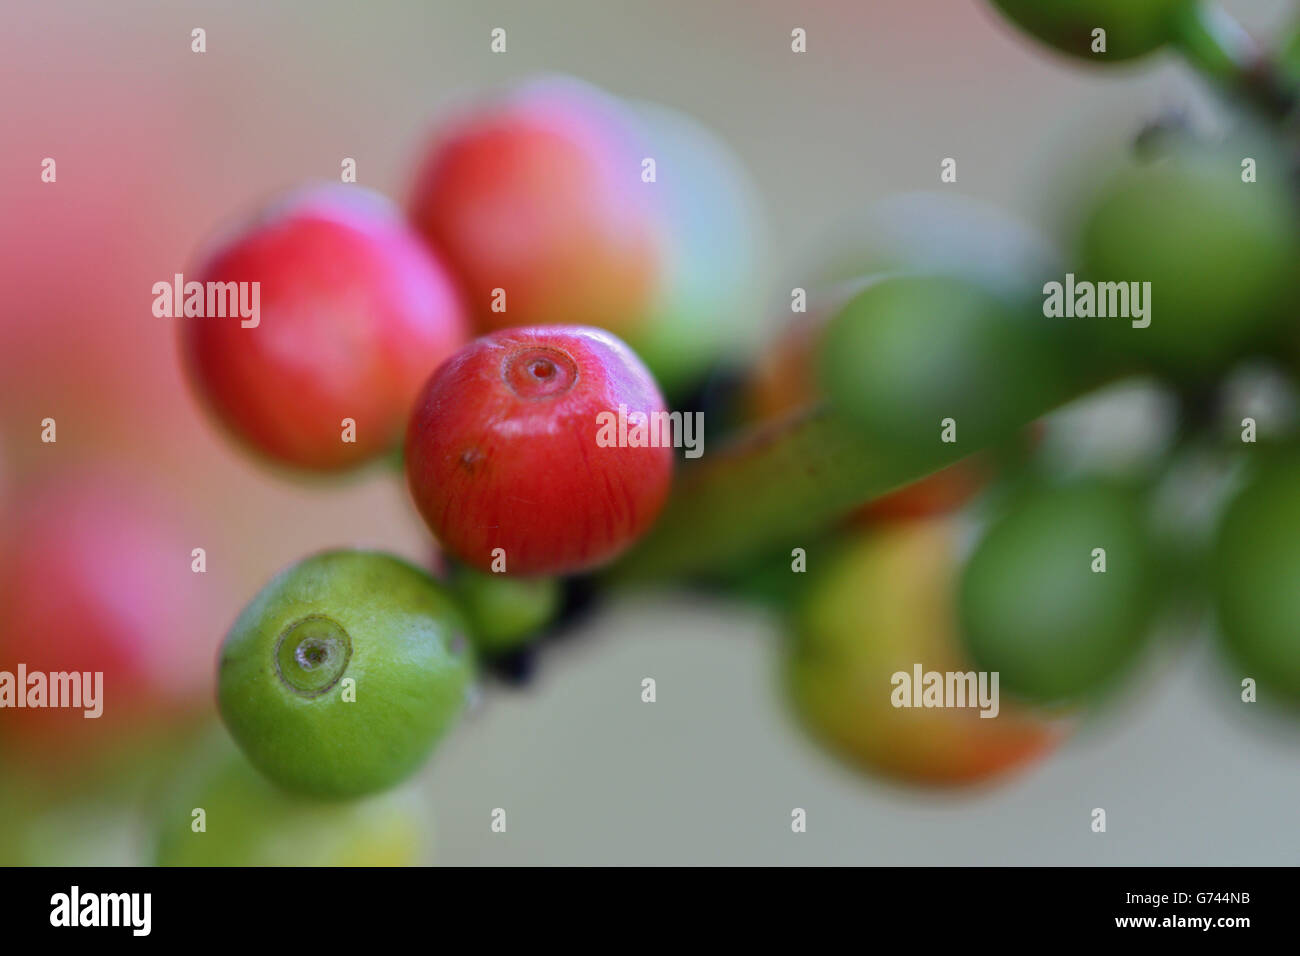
[[470, 458]]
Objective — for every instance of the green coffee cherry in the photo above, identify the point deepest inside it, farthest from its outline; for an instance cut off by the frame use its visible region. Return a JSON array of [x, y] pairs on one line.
[[222, 812], [1257, 567], [908, 354], [1219, 254], [1037, 606], [504, 612], [342, 674], [1133, 27], [1288, 53]]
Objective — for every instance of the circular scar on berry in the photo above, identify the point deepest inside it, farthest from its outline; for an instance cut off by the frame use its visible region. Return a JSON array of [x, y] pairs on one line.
[[505, 453], [343, 673]]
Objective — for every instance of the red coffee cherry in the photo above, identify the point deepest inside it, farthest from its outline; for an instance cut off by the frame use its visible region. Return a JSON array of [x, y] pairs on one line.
[[510, 448], [96, 578], [355, 312], [538, 193]]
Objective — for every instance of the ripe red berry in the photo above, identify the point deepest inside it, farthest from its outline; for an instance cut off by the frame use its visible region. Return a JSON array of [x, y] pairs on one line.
[[546, 205], [539, 194], [510, 448], [354, 314]]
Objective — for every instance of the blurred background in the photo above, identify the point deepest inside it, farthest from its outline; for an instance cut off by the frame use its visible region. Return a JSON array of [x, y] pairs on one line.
[[157, 147]]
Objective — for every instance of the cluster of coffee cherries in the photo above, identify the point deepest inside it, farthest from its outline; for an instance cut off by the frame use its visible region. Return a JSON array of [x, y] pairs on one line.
[[887, 456], [895, 473], [565, 261]]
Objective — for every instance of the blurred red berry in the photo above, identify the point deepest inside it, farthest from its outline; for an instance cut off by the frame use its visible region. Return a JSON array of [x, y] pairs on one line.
[[354, 314], [96, 577], [539, 194], [510, 448]]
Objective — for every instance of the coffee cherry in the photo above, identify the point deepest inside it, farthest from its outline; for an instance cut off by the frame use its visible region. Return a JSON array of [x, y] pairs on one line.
[[784, 382], [882, 606], [504, 611], [342, 674], [354, 314], [95, 578], [1220, 256], [1256, 566], [1035, 604], [538, 193], [1133, 27], [248, 821], [514, 459], [537, 200], [916, 360], [918, 234]]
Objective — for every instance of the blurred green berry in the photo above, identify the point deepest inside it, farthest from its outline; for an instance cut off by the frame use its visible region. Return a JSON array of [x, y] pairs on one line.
[[1220, 255], [1036, 608], [1133, 27], [1257, 575], [222, 812], [342, 674], [910, 352], [504, 612]]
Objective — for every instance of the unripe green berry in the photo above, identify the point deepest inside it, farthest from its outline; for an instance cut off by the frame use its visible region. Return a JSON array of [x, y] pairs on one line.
[[1039, 606], [341, 675], [504, 612], [1256, 567], [1133, 27], [909, 356], [1219, 255]]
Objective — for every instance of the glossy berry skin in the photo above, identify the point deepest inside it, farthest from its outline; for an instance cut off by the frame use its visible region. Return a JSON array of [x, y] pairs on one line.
[[248, 821], [335, 626], [506, 451], [355, 312], [1032, 607], [880, 606], [539, 193], [95, 576], [1256, 566], [1133, 28]]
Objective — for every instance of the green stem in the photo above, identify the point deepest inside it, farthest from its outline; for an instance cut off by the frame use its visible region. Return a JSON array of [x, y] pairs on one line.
[[784, 483], [775, 484], [1216, 45]]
